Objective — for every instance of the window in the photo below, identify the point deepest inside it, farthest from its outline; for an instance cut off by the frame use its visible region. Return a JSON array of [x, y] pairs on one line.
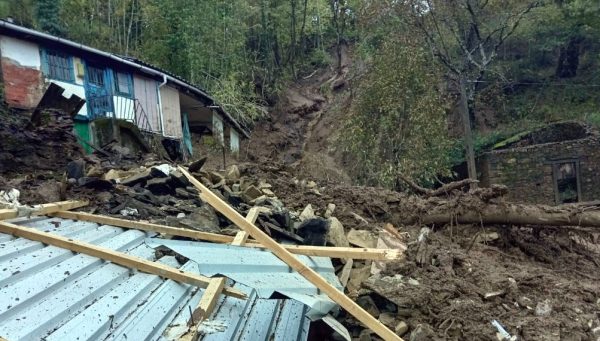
[[58, 65], [123, 84], [566, 181], [96, 76]]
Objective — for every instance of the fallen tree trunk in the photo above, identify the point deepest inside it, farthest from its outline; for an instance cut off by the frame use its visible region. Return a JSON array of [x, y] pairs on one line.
[[519, 215]]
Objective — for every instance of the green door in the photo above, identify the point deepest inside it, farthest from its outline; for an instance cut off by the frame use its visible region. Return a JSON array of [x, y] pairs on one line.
[[82, 131]]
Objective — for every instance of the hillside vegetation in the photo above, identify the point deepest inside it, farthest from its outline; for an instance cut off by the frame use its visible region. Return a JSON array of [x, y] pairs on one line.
[[520, 64]]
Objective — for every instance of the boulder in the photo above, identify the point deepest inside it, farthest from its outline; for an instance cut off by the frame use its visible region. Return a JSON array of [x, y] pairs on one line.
[[251, 193], [95, 183], [314, 231], [179, 180], [197, 165], [423, 332], [232, 175], [76, 169], [203, 219], [367, 303], [159, 186], [362, 238], [388, 320], [357, 277], [401, 328], [307, 213], [337, 235], [329, 210], [137, 178]]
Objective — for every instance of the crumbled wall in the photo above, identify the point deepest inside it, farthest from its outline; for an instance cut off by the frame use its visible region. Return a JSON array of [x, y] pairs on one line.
[[528, 174]]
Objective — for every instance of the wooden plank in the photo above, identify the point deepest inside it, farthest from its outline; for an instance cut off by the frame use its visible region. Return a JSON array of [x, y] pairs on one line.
[[307, 250], [308, 273], [42, 209], [340, 252], [242, 236], [113, 256], [138, 225]]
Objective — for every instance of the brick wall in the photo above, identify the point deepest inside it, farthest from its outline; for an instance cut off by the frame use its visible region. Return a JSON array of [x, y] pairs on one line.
[[528, 173], [23, 86]]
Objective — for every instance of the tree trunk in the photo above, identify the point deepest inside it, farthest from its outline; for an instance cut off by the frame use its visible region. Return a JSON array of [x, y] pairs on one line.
[[512, 214], [568, 59], [468, 135]]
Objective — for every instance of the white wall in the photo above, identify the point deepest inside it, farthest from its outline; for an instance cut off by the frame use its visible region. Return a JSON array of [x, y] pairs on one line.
[[23, 52], [234, 141]]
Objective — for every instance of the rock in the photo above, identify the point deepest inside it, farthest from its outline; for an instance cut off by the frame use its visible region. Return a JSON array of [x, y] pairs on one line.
[[307, 213], [234, 200], [232, 174], [104, 197], [179, 180], [136, 179], [259, 201], [180, 215], [159, 186], [216, 177], [95, 172], [337, 235], [357, 277], [50, 191], [197, 165], [128, 211], [161, 171], [264, 185], [387, 319], [362, 221], [311, 184], [367, 303], [184, 194], [329, 210], [543, 308], [236, 188], [488, 237], [282, 217], [362, 238], [365, 335], [268, 192], [314, 231], [76, 169], [525, 302], [95, 183], [422, 332], [203, 219], [401, 328], [251, 193]]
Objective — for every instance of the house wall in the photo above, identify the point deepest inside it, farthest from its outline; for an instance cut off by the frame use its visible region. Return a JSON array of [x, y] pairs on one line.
[[146, 91], [171, 110], [24, 83], [21, 72], [527, 171]]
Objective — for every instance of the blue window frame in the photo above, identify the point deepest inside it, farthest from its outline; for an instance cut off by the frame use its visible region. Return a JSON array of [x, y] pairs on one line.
[[123, 84], [57, 65]]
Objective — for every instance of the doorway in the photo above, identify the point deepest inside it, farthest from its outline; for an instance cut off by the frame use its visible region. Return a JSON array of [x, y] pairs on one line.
[[98, 92], [567, 188]]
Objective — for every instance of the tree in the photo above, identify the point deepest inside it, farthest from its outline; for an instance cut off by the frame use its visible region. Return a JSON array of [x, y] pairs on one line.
[[465, 36], [398, 123], [47, 16]]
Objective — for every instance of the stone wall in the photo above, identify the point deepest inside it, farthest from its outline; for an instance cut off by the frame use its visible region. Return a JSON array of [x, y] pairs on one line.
[[527, 171]]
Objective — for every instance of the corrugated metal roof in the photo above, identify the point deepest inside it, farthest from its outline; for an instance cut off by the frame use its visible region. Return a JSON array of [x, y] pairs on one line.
[[50, 293]]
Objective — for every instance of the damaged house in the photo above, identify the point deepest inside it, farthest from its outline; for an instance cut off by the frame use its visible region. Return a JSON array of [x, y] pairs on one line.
[[556, 164], [160, 104]]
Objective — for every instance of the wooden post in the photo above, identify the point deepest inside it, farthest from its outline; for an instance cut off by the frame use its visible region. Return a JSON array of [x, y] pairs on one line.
[[43, 209], [113, 256], [312, 276]]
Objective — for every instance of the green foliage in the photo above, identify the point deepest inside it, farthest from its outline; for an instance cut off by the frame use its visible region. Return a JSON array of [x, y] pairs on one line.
[[398, 122], [47, 15]]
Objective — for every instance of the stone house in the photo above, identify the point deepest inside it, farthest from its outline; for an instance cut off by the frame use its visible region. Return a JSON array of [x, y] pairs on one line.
[[559, 163]]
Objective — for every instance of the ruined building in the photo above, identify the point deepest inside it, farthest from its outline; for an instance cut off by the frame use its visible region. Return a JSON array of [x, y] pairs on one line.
[[113, 86], [556, 164]]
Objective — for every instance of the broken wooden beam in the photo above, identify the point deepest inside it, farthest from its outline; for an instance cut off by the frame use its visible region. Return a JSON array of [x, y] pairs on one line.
[[307, 250], [139, 225], [113, 256], [42, 209], [311, 275]]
